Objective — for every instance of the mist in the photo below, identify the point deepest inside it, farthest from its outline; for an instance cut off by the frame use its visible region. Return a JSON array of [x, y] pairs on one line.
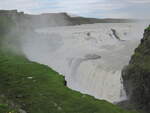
[[88, 56]]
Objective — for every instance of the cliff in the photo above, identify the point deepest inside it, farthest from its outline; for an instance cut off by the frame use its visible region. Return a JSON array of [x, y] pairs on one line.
[[83, 20], [32, 21], [29, 87], [53, 19], [136, 75]]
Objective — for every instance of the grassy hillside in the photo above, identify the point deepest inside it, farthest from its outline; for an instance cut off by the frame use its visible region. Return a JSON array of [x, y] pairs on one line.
[[36, 88], [29, 87]]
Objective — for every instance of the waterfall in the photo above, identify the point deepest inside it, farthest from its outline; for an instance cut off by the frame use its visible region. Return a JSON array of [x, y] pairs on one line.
[[89, 56]]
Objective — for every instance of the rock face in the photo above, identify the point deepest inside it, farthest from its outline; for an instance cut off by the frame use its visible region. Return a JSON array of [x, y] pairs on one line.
[[136, 75], [34, 21], [53, 19]]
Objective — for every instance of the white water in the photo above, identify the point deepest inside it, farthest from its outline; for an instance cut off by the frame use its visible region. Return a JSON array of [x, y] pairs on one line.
[[91, 64]]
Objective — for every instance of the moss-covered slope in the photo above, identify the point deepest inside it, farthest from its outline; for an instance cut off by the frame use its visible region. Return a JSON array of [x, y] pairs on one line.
[[136, 75], [36, 88], [29, 87]]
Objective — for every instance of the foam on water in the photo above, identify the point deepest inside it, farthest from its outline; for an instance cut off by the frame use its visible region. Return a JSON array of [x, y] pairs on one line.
[[89, 56]]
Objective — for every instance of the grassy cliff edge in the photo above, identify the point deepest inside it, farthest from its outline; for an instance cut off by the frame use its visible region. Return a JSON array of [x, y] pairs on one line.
[[29, 87]]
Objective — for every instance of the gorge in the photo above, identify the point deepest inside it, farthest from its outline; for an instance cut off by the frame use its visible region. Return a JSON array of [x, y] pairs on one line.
[[92, 63], [42, 54]]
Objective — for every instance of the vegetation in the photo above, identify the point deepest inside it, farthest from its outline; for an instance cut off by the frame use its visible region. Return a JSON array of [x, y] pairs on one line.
[[4, 108], [36, 88], [30, 87], [148, 28], [136, 75]]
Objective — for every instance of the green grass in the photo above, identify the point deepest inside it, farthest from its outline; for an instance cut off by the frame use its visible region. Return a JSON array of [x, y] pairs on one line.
[[38, 89], [6, 105], [4, 108], [148, 28]]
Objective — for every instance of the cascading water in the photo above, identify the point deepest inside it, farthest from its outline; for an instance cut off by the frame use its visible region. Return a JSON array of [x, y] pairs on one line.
[[90, 57]]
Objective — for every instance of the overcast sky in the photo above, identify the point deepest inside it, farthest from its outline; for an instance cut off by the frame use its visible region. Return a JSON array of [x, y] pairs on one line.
[[87, 8]]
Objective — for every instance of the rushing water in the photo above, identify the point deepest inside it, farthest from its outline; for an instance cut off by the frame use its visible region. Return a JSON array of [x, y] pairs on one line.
[[90, 57]]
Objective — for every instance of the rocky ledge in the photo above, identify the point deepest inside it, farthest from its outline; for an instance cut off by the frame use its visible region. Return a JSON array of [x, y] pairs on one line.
[[136, 75]]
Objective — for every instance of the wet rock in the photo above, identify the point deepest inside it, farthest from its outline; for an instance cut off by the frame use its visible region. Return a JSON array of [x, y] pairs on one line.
[[92, 56], [136, 76]]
